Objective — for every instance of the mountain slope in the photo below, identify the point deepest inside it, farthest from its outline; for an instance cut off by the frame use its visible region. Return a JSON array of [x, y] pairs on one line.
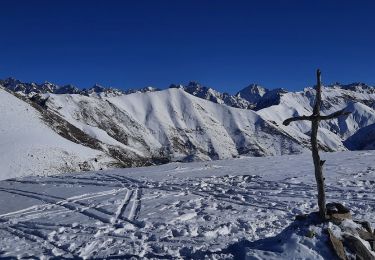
[[196, 89], [253, 93], [153, 126], [28, 146], [363, 139], [174, 123], [358, 100]]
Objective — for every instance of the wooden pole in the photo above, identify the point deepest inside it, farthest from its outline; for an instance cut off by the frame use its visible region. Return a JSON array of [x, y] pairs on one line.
[[318, 164], [315, 118]]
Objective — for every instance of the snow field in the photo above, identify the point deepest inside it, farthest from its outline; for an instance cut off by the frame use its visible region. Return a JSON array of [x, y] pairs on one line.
[[179, 210]]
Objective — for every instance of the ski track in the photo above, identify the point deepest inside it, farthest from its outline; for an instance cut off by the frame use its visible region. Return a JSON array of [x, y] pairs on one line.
[[122, 206], [167, 214]]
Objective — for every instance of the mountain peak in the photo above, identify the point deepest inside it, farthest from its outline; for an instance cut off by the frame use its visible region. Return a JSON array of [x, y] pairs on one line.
[[141, 90], [194, 84], [97, 88], [252, 93]]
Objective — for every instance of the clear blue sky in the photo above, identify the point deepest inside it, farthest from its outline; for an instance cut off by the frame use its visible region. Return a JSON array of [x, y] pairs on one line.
[[223, 44]]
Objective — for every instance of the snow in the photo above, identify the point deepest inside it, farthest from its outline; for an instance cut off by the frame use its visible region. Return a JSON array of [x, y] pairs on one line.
[[332, 133], [253, 93], [149, 126], [241, 207], [364, 138], [29, 147], [186, 126]]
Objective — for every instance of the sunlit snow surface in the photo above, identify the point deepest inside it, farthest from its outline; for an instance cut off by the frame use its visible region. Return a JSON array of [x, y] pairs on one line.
[[178, 210]]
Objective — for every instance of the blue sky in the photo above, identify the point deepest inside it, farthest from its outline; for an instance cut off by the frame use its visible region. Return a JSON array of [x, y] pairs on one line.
[[223, 44]]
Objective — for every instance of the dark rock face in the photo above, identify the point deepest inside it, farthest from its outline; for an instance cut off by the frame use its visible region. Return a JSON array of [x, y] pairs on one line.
[[47, 87], [271, 98], [196, 89], [253, 97], [27, 88], [253, 93], [67, 89]]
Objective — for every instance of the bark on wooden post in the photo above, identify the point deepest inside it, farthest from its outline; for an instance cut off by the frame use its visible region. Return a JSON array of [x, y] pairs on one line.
[[318, 164], [315, 119]]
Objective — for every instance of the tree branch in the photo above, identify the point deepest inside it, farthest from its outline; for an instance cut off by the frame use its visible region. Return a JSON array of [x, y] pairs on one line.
[[298, 118], [334, 115], [312, 117]]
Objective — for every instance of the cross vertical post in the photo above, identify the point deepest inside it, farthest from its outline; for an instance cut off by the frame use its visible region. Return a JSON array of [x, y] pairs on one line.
[[315, 118], [318, 164]]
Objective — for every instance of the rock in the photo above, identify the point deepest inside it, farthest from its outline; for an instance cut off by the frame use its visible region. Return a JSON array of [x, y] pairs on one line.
[[358, 248], [337, 212], [342, 215], [365, 235], [337, 245], [335, 207], [372, 244], [366, 225]]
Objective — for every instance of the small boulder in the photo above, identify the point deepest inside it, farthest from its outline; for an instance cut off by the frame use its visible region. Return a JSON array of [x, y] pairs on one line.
[[365, 224], [337, 212], [365, 235], [358, 248], [337, 245], [335, 207]]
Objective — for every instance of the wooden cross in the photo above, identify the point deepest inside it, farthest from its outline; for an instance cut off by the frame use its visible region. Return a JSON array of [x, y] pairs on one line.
[[318, 164]]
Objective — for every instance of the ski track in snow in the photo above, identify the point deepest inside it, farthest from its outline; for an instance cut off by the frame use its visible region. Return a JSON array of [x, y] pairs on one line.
[[175, 210]]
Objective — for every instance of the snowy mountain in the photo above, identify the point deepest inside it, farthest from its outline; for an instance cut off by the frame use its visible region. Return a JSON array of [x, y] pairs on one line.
[[67, 89], [253, 97], [27, 88], [363, 139], [253, 93], [154, 127], [277, 104], [175, 124], [29, 146], [359, 99], [196, 89], [270, 98], [141, 90], [32, 88], [260, 97], [188, 123]]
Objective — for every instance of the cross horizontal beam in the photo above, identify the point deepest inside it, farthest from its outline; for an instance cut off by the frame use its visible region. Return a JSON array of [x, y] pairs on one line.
[[316, 117]]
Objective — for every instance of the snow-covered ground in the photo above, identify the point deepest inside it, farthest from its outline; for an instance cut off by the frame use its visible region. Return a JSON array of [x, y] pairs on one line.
[[213, 209]]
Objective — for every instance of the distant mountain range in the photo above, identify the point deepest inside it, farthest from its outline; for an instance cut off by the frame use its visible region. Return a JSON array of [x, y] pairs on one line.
[[107, 127], [252, 97], [47, 87]]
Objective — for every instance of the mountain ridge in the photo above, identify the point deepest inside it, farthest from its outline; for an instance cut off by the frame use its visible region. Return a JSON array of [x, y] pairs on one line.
[[254, 96], [190, 123]]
